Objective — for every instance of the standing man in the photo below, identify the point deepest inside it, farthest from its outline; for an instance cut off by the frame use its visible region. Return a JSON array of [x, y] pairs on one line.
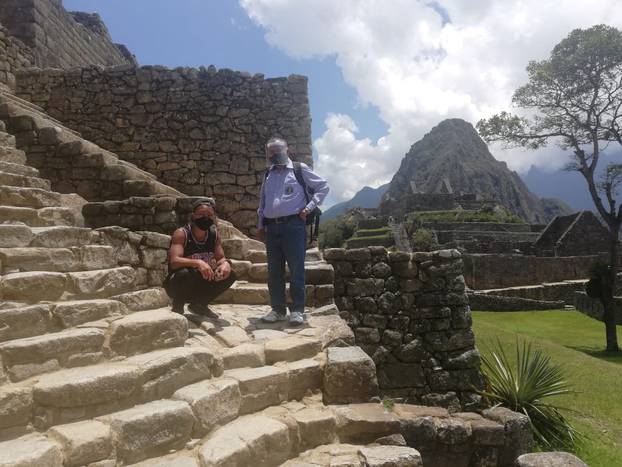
[[283, 211], [198, 269]]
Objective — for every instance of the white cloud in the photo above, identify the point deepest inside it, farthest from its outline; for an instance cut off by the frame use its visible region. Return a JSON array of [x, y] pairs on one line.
[[417, 69]]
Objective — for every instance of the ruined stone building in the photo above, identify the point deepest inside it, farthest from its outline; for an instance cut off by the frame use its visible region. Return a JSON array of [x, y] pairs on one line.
[[99, 160]]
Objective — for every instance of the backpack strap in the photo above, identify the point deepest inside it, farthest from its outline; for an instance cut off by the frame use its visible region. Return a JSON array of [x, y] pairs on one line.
[[300, 179]]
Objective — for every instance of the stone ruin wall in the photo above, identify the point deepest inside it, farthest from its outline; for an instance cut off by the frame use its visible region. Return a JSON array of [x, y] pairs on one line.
[[410, 313], [201, 131], [14, 55], [60, 39], [492, 271]]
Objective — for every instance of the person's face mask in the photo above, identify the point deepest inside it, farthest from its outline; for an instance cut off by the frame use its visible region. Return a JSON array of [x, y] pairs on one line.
[[203, 223], [278, 158]]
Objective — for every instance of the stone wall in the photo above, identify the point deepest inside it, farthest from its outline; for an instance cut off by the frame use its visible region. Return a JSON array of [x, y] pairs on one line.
[[201, 131], [579, 234], [410, 313], [491, 271], [57, 39], [14, 55], [594, 308]]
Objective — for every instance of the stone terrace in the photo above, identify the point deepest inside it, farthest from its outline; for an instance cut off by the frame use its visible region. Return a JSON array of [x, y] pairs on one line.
[[95, 370]]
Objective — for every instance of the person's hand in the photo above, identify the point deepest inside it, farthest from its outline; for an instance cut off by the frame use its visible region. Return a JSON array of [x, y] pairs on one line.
[[224, 270], [303, 214], [261, 235], [206, 271]]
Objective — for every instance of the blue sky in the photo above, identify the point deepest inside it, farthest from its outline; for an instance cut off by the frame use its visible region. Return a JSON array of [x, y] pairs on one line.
[[381, 74], [202, 32]]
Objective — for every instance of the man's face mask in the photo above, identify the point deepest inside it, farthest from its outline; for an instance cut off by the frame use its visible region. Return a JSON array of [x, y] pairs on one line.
[[203, 223], [278, 156]]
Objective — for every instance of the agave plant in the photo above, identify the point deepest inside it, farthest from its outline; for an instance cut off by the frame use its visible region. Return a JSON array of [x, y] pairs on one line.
[[527, 387]]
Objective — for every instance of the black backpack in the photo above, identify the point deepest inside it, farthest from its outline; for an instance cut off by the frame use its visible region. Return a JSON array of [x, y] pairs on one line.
[[313, 219]]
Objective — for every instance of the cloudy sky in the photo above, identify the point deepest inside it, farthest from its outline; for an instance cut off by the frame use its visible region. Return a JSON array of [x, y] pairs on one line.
[[381, 73]]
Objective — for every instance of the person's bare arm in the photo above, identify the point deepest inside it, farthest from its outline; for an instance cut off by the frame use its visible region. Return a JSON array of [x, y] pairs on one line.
[[223, 267], [177, 260]]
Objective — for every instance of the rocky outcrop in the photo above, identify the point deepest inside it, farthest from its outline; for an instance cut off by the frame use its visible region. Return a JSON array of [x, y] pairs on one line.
[[453, 159]]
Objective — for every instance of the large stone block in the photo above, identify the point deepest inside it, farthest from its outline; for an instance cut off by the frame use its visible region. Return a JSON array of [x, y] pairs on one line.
[[83, 442], [33, 286], [140, 300], [305, 376], [549, 459], [30, 451], [15, 236], [261, 387], [214, 403], [102, 282], [290, 349], [244, 355], [73, 313], [518, 435], [24, 322], [349, 376], [364, 423], [316, 427], [391, 456], [150, 429], [16, 407], [144, 331]]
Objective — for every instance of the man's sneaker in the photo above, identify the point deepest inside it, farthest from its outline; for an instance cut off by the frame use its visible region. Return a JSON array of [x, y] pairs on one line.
[[297, 318], [273, 317], [203, 310], [178, 307]]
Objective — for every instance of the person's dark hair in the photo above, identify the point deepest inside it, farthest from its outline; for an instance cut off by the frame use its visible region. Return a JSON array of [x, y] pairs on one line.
[[204, 202]]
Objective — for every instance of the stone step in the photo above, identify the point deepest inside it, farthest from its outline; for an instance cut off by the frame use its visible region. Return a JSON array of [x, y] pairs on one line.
[[150, 429], [86, 392], [31, 356], [19, 235], [13, 155], [315, 273], [145, 331], [7, 139], [256, 293], [44, 217], [260, 256], [29, 197], [24, 181], [39, 286], [30, 450], [358, 456], [83, 258], [18, 169]]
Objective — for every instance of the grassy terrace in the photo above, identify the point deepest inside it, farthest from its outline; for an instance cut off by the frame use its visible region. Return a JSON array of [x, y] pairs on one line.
[[576, 342]]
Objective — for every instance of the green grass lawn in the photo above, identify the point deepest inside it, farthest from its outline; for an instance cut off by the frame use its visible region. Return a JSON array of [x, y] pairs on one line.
[[576, 342]]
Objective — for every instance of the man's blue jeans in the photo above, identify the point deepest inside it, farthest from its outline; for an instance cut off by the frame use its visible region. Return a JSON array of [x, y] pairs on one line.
[[286, 242]]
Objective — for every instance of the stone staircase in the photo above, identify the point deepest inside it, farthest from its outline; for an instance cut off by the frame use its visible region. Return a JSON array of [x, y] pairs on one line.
[[95, 370]]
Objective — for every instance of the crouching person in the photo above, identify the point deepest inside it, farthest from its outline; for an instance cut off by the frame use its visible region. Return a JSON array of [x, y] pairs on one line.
[[198, 269]]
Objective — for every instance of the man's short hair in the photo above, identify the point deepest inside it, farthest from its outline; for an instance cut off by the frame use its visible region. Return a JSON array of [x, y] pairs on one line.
[[280, 142], [211, 202]]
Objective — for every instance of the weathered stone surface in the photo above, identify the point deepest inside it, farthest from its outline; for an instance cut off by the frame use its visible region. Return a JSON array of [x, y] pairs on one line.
[[244, 355], [150, 429], [290, 349], [518, 435], [24, 321], [140, 300], [15, 236], [214, 403], [549, 459], [181, 459], [32, 286], [83, 442], [165, 371], [316, 427], [260, 387], [349, 376], [232, 336], [61, 236], [16, 406], [304, 376], [253, 440], [30, 451], [84, 386], [391, 456], [73, 313], [144, 331], [364, 423], [103, 282]]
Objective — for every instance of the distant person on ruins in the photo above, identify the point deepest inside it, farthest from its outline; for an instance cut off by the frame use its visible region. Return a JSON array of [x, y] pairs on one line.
[[283, 210], [198, 269]]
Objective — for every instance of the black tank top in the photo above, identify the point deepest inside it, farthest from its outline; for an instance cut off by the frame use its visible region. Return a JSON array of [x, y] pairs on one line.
[[204, 250]]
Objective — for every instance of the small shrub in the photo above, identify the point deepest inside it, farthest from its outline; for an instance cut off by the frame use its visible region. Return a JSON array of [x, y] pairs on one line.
[[424, 240], [527, 387]]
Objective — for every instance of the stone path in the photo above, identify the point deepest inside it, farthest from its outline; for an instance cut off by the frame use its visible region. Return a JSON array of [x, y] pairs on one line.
[[95, 371]]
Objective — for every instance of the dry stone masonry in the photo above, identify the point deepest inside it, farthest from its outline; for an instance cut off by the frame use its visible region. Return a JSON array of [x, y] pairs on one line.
[[410, 313], [14, 55], [201, 131], [61, 39]]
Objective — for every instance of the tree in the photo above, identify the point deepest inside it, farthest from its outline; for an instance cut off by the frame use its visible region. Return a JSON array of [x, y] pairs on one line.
[[573, 99]]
